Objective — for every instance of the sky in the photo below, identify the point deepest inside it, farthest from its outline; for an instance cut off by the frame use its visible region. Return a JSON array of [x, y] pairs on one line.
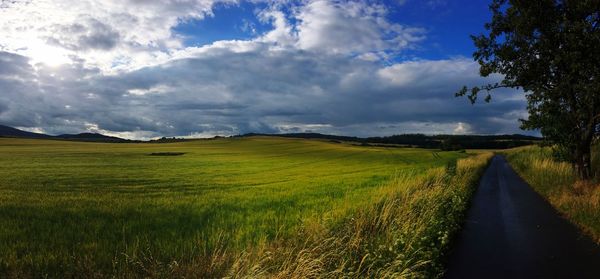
[[142, 69]]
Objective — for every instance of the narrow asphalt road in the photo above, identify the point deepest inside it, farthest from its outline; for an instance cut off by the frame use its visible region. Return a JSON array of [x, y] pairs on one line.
[[512, 232]]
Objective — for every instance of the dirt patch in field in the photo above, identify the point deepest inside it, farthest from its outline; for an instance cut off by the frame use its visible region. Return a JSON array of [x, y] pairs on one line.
[[166, 154]]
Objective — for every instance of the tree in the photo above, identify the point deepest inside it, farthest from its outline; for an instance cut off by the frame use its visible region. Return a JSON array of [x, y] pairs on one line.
[[551, 50]]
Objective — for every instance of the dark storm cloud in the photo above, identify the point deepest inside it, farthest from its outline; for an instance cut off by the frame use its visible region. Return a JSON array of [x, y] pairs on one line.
[[13, 65], [254, 91]]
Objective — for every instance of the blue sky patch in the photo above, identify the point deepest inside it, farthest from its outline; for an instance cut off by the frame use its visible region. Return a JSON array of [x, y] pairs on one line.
[[228, 22]]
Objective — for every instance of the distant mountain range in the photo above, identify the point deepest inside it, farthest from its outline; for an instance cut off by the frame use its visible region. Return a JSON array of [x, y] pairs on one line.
[[6, 131], [444, 142]]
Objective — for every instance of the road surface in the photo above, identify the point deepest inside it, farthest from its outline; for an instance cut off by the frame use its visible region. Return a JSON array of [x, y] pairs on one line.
[[512, 232]]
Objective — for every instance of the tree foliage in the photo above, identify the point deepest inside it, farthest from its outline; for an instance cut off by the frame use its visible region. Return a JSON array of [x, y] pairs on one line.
[[551, 50]]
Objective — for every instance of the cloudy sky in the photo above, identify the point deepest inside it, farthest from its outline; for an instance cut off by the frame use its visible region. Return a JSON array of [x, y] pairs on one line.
[[149, 68]]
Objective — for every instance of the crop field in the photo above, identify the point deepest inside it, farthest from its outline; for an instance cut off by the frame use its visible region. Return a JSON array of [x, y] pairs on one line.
[[214, 208]]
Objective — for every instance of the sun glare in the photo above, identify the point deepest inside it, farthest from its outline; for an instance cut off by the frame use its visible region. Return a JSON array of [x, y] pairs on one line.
[[48, 55]]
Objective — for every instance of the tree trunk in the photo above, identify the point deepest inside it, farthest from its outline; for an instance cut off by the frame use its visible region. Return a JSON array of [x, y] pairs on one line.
[[583, 161]]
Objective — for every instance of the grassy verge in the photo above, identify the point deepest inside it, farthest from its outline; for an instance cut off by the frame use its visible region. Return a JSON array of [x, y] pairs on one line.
[[405, 234], [259, 207], [557, 181]]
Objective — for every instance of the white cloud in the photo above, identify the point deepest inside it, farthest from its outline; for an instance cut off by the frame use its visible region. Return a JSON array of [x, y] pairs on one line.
[[281, 35], [111, 34], [119, 36], [462, 128], [157, 89], [351, 27]]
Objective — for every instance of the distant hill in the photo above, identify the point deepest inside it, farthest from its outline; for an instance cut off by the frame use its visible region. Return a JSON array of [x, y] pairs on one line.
[[445, 142], [90, 137], [6, 131]]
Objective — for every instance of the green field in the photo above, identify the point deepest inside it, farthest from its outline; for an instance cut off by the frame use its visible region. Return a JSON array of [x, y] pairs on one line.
[[95, 208]]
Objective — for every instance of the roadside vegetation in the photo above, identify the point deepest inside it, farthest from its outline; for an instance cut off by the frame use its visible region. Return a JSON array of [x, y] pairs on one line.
[[406, 233], [251, 207], [559, 183]]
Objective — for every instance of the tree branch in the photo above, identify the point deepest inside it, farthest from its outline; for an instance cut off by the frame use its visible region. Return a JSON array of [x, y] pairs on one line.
[[474, 91]]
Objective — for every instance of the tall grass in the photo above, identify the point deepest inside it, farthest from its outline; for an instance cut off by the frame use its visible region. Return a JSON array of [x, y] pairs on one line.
[[578, 200], [404, 235]]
